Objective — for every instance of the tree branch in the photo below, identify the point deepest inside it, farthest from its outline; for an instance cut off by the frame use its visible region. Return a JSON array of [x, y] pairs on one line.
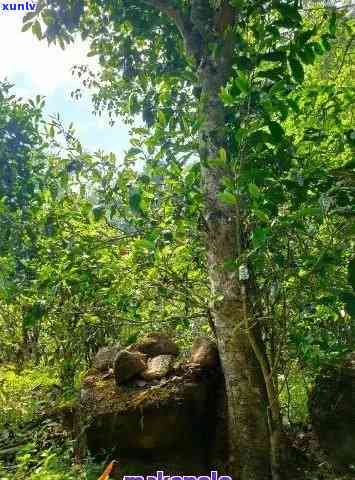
[[191, 37], [225, 17]]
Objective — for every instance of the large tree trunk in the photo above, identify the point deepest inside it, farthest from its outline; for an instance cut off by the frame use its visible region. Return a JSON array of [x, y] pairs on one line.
[[245, 385], [254, 418]]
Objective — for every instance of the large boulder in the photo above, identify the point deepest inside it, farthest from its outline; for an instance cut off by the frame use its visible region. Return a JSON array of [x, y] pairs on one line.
[[172, 424], [128, 365], [204, 353], [154, 344], [105, 358], [158, 367], [332, 411]]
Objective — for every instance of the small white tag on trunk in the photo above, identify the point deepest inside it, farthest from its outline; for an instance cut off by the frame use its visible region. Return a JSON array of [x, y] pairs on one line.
[[243, 273]]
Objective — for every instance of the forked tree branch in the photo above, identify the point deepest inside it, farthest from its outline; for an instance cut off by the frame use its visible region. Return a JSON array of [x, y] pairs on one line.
[[191, 37]]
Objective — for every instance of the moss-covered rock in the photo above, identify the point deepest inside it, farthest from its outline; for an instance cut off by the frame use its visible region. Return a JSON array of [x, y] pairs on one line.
[[158, 367], [105, 357], [128, 365], [204, 353], [332, 410], [171, 425], [154, 344]]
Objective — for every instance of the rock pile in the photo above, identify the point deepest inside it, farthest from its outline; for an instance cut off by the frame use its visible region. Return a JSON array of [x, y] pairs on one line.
[[154, 409], [152, 358]]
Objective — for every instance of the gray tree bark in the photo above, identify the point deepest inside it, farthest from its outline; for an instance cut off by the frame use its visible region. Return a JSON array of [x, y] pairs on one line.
[[245, 387], [251, 399]]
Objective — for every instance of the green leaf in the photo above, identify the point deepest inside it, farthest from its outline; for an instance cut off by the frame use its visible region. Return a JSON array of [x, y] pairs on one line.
[[35, 313], [317, 48], [276, 131], [98, 212], [260, 215], [227, 98], [351, 273], [350, 137], [29, 16], [144, 179], [305, 36], [133, 152], [276, 56], [227, 197], [242, 83], [333, 23], [222, 155], [240, 134], [37, 30], [274, 74], [144, 244], [329, 300], [161, 118], [245, 64], [135, 200], [259, 137], [279, 87], [350, 164], [296, 69], [302, 273], [253, 190], [61, 43], [289, 12], [260, 236], [26, 27], [307, 55], [308, 211], [325, 44]]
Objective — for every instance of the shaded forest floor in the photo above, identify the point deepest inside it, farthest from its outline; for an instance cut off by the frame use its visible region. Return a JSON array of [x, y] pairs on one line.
[[35, 443]]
